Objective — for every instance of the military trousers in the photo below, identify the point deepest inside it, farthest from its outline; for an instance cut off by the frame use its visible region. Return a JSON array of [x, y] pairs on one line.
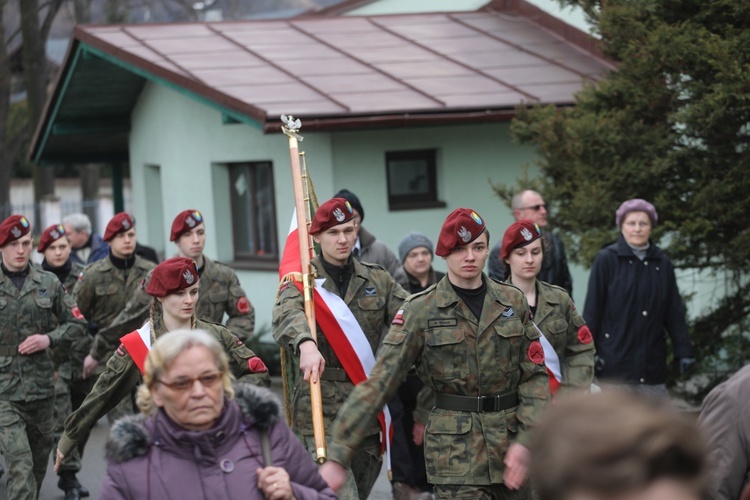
[[483, 492], [26, 430], [363, 471]]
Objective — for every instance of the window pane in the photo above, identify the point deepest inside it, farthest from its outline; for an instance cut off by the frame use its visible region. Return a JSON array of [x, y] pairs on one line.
[[264, 220], [408, 176], [253, 214]]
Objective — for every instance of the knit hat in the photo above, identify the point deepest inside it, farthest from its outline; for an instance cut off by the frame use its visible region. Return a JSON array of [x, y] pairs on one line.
[[412, 241], [353, 200], [120, 223], [519, 234], [49, 236], [636, 205], [185, 222], [331, 213], [13, 228], [461, 227], [171, 276]]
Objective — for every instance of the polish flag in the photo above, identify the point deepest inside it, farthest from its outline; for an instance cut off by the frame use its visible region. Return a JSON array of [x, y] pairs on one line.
[[552, 362]]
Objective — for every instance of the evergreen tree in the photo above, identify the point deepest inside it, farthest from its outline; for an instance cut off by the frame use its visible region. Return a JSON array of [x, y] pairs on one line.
[[670, 125]]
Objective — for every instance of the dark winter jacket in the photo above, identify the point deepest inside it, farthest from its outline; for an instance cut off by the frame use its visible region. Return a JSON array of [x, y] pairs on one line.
[[630, 306], [375, 251], [153, 458], [554, 270]]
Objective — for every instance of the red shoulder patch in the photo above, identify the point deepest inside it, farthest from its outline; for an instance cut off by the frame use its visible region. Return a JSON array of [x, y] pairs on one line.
[[243, 305], [238, 341], [536, 352], [256, 365], [398, 319], [80, 276], [77, 313], [584, 335], [121, 350]]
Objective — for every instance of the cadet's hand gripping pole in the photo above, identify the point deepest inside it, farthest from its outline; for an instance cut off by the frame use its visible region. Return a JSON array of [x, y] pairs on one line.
[[290, 128]]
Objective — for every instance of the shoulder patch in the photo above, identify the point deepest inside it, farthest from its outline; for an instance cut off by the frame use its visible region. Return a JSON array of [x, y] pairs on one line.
[[398, 319], [77, 313], [243, 305], [584, 335], [536, 352], [80, 276], [256, 365]]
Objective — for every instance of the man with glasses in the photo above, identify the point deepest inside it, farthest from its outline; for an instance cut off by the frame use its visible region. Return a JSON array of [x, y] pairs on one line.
[[530, 205]]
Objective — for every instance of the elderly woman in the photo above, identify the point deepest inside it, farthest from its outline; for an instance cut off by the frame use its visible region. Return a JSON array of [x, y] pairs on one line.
[[174, 287], [567, 342], [632, 301], [199, 437]]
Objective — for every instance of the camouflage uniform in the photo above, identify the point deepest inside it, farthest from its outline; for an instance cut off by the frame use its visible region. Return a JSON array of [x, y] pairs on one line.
[[219, 292], [373, 298], [102, 292], [122, 376], [564, 328], [456, 355], [26, 382]]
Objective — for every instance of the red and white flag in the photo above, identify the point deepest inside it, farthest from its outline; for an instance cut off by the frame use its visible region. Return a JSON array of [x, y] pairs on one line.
[[552, 362], [341, 329]]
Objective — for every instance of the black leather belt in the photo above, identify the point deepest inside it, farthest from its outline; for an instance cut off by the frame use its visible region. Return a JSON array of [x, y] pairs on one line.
[[498, 402]]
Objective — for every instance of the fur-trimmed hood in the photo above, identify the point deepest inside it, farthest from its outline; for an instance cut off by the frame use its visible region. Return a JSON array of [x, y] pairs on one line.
[[131, 436]]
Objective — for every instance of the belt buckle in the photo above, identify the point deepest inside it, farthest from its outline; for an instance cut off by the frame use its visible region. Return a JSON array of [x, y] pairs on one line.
[[480, 403]]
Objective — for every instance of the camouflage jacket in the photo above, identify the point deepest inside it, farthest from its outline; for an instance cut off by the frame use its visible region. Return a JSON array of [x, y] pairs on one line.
[[457, 355], [373, 298], [69, 361], [102, 292], [219, 292], [41, 307], [122, 376], [564, 328]]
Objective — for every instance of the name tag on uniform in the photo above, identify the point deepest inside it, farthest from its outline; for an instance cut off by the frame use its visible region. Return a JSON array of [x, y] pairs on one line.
[[370, 291], [438, 322], [508, 312]]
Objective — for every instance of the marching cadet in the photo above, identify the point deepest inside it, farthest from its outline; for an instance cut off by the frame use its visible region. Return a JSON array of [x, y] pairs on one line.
[[220, 290], [70, 388], [174, 291], [369, 296], [103, 290], [36, 316], [473, 345]]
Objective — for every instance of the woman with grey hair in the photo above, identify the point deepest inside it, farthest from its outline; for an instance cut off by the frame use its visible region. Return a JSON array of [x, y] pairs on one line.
[[632, 303], [201, 437]]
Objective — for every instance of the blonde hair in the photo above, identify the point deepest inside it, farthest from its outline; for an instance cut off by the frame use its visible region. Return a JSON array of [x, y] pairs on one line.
[[163, 353]]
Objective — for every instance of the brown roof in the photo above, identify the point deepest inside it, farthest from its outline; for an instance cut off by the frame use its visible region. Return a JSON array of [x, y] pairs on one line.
[[339, 72]]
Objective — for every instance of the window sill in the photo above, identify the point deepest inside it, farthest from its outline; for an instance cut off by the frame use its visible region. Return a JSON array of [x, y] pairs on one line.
[[415, 205], [254, 265]]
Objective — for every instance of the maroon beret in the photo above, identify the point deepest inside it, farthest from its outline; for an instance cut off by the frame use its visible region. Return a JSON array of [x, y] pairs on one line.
[[13, 228], [331, 213], [185, 222], [49, 236], [171, 276], [120, 223], [461, 227], [519, 234]]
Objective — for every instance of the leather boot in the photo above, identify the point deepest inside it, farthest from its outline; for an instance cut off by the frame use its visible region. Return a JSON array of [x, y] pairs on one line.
[[67, 483]]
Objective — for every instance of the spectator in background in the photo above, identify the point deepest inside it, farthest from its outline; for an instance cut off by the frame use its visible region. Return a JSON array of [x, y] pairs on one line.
[[725, 422], [367, 248], [530, 205], [201, 437], [87, 246], [409, 476], [632, 301], [614, 446]]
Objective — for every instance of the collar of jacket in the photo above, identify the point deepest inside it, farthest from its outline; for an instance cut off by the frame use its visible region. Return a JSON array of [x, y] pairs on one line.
[[366, 238], [622, 249], [446, 296], [130, 436]]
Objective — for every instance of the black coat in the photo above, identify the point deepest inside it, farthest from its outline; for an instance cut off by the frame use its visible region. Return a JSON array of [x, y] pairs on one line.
[[630, 306]]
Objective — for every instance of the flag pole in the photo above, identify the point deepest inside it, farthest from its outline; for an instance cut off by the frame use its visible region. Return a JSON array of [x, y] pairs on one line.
[[290, 128]]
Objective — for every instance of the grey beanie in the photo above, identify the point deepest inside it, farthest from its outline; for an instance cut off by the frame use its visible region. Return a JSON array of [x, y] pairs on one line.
[[412, 241]]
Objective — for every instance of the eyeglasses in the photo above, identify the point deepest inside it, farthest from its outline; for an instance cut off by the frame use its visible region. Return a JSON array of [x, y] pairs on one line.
[[535, 208], [208, 380]]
